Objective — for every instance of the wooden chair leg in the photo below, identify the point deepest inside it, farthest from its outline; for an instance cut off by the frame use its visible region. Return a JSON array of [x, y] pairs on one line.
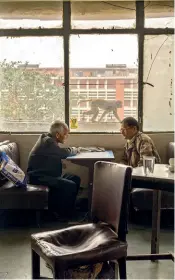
[[122, 268], [35, 265]]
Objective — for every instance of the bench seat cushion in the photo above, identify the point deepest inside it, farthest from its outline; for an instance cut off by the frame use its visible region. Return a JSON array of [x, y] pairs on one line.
[[32, 197]]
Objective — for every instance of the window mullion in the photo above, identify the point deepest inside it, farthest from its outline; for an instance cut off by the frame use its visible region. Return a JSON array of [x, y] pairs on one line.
[[66, 28], [140, 29]]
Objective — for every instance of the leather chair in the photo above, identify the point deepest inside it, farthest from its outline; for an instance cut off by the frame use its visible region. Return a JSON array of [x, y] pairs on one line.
[[102, 240]]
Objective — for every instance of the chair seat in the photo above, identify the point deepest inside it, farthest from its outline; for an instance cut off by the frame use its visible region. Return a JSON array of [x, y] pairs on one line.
[[79, 245]]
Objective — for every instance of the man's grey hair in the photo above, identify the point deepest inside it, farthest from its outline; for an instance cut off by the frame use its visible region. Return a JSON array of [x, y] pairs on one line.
[[57, 127]]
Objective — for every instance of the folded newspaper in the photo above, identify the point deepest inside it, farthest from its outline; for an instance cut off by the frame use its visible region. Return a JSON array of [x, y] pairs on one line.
[[91, 149], [10, 170]]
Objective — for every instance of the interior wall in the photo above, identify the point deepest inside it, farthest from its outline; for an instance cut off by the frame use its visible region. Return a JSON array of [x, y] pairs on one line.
[[114, 142]]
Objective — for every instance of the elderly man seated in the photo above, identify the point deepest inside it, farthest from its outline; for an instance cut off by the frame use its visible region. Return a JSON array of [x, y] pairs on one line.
[[45, 168], [138, 144]]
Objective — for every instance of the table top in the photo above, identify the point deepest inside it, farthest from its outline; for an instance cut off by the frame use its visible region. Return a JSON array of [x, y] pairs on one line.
[[161, 173], [108, 155]]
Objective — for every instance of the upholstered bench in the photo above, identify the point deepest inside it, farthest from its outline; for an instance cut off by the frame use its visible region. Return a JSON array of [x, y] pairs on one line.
[[11, 197]]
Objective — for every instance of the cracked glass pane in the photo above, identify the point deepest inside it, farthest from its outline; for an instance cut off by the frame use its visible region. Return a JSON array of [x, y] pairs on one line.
[[159, 14], [103, 14], [158, 95]]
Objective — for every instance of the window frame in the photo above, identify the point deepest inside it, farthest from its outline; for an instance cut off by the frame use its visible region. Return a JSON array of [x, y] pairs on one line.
[[66, 31]]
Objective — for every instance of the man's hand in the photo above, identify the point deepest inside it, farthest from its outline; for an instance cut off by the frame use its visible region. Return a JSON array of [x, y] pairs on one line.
[[75, 150], [78, 150]]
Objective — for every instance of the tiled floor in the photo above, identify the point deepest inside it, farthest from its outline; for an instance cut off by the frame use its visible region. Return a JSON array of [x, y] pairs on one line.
[[15, 258]]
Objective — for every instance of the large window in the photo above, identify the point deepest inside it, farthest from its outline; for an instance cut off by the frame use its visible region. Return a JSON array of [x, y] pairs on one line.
[[96, 61], [108, 76], [31, 90]]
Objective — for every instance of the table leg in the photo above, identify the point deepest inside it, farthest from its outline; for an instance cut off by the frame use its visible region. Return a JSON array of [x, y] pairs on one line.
[[155, 221]]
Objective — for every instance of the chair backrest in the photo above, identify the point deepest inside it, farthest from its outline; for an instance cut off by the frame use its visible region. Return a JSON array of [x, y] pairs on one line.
[[110, 198]]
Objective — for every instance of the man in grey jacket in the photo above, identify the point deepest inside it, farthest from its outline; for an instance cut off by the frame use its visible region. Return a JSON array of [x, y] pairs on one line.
[[45, 168]]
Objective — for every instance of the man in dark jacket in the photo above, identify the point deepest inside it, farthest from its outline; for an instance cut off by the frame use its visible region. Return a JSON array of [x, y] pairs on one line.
[[45, 168]]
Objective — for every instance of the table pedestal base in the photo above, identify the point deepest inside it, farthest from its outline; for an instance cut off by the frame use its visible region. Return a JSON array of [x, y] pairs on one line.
[[156, 209], [151, 257]]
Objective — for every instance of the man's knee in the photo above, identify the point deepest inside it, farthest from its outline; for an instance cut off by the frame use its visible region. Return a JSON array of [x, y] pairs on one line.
[[72, 187], [74, 178], [77, 180]]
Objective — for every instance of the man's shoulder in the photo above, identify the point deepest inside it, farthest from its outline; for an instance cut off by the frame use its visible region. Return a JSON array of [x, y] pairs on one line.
[[143, 137], [43, 141], [45, 138]]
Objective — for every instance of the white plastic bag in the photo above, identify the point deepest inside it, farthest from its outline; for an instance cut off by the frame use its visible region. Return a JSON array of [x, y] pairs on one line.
[[11, 170]]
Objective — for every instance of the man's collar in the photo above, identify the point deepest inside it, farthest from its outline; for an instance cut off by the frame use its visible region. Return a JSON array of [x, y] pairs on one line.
[[132, 140]]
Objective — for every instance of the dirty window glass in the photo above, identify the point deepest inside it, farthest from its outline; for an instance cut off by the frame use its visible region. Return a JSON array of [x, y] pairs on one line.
[[158, 98], [39, 14], [103, 14], [159, 14], [31, 91]]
